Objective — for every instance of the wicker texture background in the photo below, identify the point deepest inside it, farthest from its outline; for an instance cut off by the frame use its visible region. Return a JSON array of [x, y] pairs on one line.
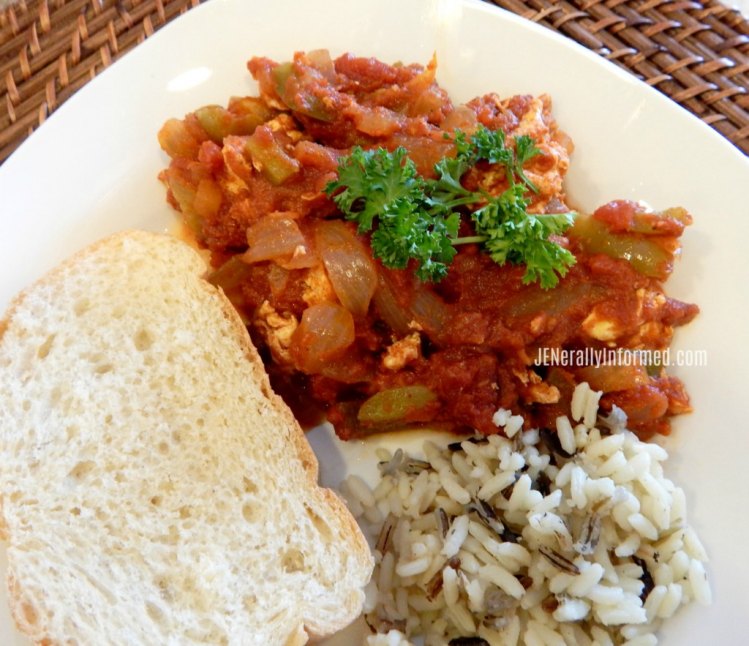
[[694, 52], [697, 53]]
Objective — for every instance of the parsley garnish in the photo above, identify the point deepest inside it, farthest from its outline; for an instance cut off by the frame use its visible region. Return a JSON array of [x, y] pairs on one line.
[[415, 218]]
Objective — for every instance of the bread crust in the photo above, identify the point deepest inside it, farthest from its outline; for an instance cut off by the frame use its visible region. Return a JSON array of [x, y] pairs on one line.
[[306, 455], [30, 619]]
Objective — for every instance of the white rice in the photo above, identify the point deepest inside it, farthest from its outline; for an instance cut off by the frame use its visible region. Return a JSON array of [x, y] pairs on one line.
[[391, 638], [500, 540]]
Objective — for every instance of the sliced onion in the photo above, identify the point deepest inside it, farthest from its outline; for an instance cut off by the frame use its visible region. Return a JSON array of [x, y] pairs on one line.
[[429, 310], [321, 61], [389, 309], [461, 118], [312, 155], [183, 191], [378, 121], [424, 151], [208, 198], [350, 369], [533, 300], [325, 331], [400, 306], [277, 237], [176, 140], [230, 277], [278, 279], [348, 264]]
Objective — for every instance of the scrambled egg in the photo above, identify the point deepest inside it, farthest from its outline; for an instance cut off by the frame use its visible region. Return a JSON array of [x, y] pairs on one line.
[[401, 352], [598, 327], [549, 168], [277, 329], [646, 329], [317, 287], [537, 391]]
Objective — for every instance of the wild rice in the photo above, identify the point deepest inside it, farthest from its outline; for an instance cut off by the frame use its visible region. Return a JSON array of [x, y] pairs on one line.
[[503, 541]]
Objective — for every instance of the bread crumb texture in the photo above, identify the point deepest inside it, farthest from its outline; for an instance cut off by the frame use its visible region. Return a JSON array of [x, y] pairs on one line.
[[154, 490]]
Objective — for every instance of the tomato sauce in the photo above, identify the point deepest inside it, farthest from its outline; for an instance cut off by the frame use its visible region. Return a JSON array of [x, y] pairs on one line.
[[375, 349]]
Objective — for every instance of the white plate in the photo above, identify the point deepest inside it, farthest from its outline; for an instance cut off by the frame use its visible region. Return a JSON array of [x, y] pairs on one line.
[[741, 5], [91, 170]]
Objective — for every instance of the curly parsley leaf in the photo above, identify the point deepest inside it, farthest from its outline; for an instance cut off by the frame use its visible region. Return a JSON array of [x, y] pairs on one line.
[[511, 234], [416, 219], [414, 236], [376, 184], [446, 192], [385, 186], [525, 149], [490, 146]]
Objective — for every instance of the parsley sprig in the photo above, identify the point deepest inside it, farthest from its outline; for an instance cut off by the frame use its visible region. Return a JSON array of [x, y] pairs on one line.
[[415, 218]]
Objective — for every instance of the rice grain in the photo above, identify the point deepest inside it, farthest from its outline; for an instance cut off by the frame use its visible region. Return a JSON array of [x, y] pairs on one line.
[[501, 541]]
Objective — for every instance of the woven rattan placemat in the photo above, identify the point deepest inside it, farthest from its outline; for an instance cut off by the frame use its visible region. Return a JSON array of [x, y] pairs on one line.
[[697, 53]]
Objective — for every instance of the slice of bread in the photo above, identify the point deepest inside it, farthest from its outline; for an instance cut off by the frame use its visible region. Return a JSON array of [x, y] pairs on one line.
[[154, 489]]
